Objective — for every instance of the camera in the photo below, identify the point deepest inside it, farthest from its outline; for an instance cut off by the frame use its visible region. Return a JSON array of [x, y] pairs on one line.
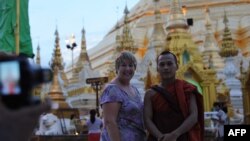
[[17, 79]]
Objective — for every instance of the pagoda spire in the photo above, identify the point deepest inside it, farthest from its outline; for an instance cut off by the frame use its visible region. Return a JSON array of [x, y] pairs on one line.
[[84, 56], [83, 60], [38, 58], [158, 36], [56, 65], [126, 41], [211, 49], [156, 43], [56, 61], [38, 89], [83, 43], [208, 22], [228, 48], [177, 19]]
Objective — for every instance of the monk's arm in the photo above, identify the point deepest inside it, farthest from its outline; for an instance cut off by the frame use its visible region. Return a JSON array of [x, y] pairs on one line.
[[148, 115], [191, 120]]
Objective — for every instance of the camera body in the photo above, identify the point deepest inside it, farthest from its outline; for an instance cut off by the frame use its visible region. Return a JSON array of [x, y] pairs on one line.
[[17, 79]]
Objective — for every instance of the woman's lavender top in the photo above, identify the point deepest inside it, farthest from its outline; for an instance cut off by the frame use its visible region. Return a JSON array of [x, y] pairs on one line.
[[130, 116]]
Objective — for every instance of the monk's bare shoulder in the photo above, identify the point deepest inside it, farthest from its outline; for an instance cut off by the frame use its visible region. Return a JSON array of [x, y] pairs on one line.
[[150, 92]]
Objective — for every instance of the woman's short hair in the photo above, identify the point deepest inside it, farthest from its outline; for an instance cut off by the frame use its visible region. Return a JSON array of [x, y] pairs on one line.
[[125, 55]]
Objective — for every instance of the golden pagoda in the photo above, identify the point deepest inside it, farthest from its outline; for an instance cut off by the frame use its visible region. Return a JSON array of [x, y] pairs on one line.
[[81, 95], [82, 62], [179, 41], [56, 64]]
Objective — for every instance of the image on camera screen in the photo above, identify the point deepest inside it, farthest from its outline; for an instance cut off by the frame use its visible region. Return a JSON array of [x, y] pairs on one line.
[[10, 78]]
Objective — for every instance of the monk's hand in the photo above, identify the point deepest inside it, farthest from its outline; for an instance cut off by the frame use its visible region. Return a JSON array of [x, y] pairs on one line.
[[160, 138], [169, 137]]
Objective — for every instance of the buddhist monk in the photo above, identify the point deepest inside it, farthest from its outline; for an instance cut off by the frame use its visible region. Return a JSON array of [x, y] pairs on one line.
[[173, 109]]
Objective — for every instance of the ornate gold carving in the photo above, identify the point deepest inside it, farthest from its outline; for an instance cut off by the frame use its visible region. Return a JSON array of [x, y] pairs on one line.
[[125, 41], [228, 47]]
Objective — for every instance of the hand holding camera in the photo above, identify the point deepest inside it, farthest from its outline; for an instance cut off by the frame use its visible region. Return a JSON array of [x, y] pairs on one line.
[[17, 79], [19, 111]]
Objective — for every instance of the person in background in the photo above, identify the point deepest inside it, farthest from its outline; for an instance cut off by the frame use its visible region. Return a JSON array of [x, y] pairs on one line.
[[173, 109], [94, 125], [219, 119], [73, 123], [122, 105]]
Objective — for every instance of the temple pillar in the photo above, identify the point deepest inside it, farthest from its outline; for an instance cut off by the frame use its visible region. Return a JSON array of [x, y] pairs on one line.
[[209, 95], [246, 103], [206, 97], [208, 84], [245, 81]]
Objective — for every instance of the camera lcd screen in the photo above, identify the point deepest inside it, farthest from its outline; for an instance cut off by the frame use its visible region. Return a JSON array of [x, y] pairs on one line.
[[10, 78]]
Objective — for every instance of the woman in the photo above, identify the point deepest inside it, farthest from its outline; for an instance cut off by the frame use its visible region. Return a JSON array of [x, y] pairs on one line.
[[122, 105], [94, 126]]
